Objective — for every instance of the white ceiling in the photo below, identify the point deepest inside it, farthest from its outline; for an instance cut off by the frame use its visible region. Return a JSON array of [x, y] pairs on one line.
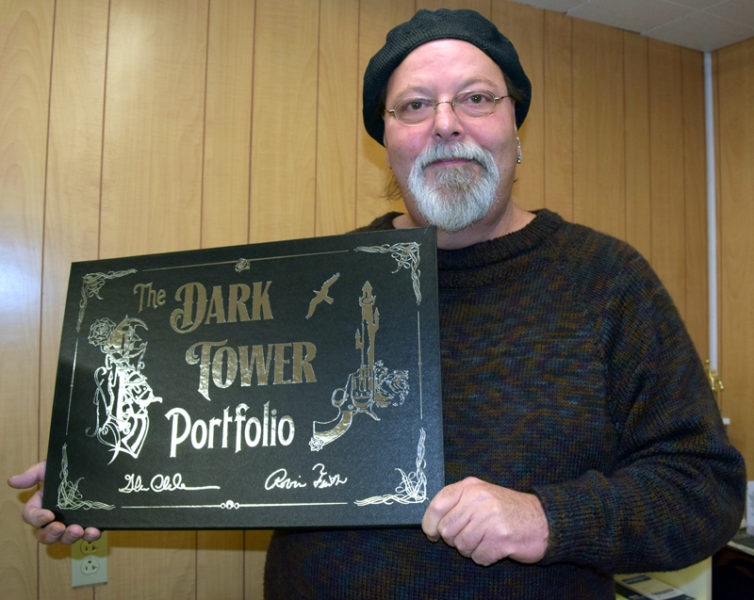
[[699, 24]]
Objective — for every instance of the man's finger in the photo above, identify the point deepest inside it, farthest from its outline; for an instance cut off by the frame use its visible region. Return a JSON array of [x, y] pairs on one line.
[[92, 534], [51, 533], [32, 476], [34, 514], [443, 502]]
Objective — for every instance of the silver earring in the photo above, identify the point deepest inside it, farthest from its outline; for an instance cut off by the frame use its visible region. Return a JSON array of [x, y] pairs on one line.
[[518, 156]]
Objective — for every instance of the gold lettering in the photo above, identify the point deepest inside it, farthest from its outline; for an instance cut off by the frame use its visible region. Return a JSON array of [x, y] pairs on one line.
[[204, 363], [184, 320], [258, 361], [280, 362], [149, 298], [197, 309], [238, 294], [231, 363], [302, 361], [220, 364], [260, 305], [216, 308]]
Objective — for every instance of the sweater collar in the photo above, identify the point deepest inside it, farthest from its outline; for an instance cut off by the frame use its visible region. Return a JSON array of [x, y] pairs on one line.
[[480, 264], [508, 246]]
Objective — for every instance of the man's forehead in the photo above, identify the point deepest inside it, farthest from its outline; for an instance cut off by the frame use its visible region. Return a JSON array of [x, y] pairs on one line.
[[439, 61]]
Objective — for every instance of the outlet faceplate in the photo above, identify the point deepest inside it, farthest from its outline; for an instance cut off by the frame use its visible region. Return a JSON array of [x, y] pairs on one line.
[[89, 562]]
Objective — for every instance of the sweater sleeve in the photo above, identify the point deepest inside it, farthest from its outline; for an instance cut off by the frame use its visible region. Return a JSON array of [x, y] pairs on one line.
[[675, 493]]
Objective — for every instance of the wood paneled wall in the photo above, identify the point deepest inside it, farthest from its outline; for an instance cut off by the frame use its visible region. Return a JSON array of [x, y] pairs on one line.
[[734, 67], [137, 126]]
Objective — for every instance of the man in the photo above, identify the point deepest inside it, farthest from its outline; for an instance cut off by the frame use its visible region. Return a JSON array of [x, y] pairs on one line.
[[581, 436]]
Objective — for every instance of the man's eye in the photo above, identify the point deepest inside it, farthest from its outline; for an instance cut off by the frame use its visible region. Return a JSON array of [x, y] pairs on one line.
[[415, 104], [476, 98]]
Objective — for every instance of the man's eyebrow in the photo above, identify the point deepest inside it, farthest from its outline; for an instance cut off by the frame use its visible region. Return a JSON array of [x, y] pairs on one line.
[[414, 90], [480, 80], [467, 84]]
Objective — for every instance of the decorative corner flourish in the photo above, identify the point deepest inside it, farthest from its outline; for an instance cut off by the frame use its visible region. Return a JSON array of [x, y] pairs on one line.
[[406, 255], [91, 285], [69, 496], [413, 486]]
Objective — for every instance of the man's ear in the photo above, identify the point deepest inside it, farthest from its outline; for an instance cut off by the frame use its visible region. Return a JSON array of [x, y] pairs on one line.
[[384, 145]]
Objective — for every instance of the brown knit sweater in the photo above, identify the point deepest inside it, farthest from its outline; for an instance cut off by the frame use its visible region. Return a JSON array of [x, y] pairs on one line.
[[567, 372]]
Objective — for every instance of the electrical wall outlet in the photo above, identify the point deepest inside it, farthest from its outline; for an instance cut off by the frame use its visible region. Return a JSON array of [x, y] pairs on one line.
[[89, 562]]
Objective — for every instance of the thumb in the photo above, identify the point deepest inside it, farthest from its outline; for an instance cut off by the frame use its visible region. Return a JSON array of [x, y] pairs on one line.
[[32, 476]]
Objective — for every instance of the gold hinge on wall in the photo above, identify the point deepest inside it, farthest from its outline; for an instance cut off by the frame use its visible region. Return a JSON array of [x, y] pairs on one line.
[[716, 384]]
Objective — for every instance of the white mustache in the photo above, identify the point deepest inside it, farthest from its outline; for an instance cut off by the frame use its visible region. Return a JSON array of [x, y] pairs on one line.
[[464, 150]]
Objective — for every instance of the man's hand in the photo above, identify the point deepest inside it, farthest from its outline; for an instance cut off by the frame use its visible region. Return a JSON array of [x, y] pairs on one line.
[[488, 523], [49, 530]]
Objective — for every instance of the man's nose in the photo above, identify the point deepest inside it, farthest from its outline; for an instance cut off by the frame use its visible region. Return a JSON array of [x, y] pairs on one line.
[[447, 125]]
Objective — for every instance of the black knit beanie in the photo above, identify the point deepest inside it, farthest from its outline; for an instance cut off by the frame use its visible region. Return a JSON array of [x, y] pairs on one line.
[[426, 26]]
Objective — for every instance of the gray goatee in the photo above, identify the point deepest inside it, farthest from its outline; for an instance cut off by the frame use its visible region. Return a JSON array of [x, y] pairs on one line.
[[458, 197]]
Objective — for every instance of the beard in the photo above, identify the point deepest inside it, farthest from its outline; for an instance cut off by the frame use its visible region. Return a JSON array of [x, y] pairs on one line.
[[458, 196]]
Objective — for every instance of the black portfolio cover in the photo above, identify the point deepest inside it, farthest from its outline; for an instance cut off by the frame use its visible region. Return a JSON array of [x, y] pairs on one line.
[[285, 384]]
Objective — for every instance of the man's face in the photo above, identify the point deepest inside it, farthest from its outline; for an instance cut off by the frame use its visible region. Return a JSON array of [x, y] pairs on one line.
[[441, 184]]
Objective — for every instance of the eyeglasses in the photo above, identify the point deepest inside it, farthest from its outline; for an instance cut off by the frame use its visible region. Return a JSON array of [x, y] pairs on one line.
[[474, 103]]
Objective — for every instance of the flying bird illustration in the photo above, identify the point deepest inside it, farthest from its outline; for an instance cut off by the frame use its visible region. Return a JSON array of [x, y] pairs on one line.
[[322, 295]]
